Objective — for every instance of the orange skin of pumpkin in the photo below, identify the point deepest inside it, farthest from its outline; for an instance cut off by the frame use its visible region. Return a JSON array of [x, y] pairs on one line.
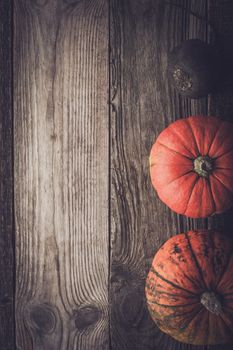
[[172, 172], [185, 267]]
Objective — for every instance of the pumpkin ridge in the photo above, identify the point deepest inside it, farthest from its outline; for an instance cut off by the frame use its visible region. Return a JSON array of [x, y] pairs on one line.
[[227, 308], [194, 184], [220, 168], [228, 299], [194, 137], [220, 125], [171, 306], [183, 329], [223, 154], [195, 336], [183, 174], [212, 197], [190, 178], [198, 312], [168, 183], [203, 188], [178, 315], [172, 150], [228, 197], [195, 259], [207, 330], [173, 130], [171, 294], [217, 133], [220, 316], [189, 278], [179, 331], [177, 295], [225, 269], [167, 317], [214, 175], [226, 294], [170, 282]]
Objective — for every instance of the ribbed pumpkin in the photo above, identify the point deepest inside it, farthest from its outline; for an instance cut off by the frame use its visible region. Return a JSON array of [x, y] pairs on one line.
[[189, 288], [191, 166]]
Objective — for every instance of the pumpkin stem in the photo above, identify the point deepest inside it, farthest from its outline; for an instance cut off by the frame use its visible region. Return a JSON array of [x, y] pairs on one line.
[[211, 302], [203, 165]]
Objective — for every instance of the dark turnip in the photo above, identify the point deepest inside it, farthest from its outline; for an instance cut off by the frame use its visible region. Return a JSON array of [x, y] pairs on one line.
[[194, 68]]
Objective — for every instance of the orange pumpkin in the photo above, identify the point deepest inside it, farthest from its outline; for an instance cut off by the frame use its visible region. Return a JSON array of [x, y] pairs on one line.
[[191, 166], [189, 288]]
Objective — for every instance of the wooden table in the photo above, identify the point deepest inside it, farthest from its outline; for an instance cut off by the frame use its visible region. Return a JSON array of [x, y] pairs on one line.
[[84, 93]]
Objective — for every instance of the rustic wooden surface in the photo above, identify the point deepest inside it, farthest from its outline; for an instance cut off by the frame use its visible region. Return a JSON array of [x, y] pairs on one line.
[[6, 181], [61, 172], [90, 97], [221, 103], [142, 105]]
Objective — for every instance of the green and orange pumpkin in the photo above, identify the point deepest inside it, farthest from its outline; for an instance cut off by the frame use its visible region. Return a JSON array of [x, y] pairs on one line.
[[189, 288], [191, 166]]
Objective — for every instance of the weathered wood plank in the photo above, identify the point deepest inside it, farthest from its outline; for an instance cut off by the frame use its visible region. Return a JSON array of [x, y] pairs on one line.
[[61, 167], [142, 105], [221, 103], [7, 338]]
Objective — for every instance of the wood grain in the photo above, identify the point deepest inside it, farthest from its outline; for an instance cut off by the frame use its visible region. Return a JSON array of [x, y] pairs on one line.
[[61, 166], [142, 104], [221, 103], [66, 151], [7, 337]]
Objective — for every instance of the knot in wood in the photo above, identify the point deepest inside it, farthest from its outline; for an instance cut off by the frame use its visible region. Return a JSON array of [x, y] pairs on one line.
[[42, 318], [87, 316], [40, 3], [71, 2]]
